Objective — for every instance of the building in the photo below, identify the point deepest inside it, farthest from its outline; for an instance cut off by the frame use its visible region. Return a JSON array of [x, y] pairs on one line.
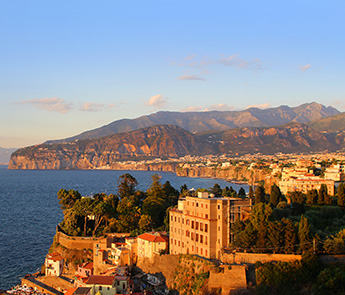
[[335, 173], [152, 243], [108, 285], [54, 264], [85, 270], [305, 184], [202, 225]]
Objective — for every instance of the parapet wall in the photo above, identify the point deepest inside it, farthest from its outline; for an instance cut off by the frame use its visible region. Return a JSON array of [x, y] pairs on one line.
[[77, 243], [251, 258]]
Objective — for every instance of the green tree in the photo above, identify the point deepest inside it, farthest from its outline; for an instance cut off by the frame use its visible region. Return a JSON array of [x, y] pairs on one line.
[[251, 194], [341, 195], [100, 211], [145, 223], [154, 204], [216, 190], [171, 194], [275, 235], [260, 194], [84, 207], [241, 192], [335, 244], [276, 195], [304, 234], [289, 236], [261, 214], [68, 198], [126, 185], [70, 223], [323, 198], [128, 215], [312, 197]]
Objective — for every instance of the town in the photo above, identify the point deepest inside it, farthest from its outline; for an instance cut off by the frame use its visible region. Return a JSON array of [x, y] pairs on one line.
[[215, 236]]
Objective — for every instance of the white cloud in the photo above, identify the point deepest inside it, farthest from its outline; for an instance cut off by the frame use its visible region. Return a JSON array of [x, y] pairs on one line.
[[157, 101], [238, 62], [259, 106], [92, 107], [220, 107], [214, 107], [51, 104], [191, 78], [306, 67]]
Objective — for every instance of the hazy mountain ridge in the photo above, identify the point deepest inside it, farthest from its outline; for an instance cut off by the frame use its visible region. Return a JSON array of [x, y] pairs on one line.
[[172, 141], [5, 154], [213, 120]]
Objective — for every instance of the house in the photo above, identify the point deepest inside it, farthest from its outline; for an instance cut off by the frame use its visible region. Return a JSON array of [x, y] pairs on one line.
[[54, 264], [152, 243], [79, 291], [85, 270], [108, 285], [202, 225]]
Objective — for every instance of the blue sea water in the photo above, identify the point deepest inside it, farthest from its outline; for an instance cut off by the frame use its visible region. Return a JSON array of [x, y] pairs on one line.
[[29, 210]]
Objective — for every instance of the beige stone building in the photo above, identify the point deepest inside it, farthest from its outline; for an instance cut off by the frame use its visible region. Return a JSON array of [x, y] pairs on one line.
[[54, 264], [305, 184], [202, 225], [152, 243]]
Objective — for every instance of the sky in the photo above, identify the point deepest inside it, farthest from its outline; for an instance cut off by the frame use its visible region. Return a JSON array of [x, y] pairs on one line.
[[71, 66]]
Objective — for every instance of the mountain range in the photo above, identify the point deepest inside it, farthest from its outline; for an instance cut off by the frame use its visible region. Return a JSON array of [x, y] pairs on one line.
[[214, 120], [171, 140]]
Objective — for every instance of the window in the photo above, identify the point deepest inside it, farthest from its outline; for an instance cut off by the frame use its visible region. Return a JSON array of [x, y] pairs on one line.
[[206, 228], [201, 251], [196, 225], [206, 206], [205, 240], [218, 228], [201, 239], [202, 205], [192, 236], [196, 249], [218, 216], [201, 226], [179, 220], [179, 243], [197, 237], [182, 220], [206, 216], [218, 206], [205, 252], [182, 244], [100, 288], [171, 240], [172, 218], [175, 218], [197, 204], [192, 223]]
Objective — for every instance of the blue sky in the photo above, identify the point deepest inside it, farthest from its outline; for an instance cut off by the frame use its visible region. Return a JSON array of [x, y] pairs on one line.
[[71, 66]]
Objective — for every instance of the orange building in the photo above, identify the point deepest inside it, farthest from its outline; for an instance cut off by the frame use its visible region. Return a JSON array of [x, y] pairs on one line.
[[202, 225]]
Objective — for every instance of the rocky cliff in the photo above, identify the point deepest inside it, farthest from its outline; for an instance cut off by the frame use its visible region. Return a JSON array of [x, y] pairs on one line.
[[157, 141]]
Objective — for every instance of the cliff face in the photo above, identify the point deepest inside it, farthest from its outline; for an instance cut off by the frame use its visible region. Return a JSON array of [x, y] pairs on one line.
[[156, 141]]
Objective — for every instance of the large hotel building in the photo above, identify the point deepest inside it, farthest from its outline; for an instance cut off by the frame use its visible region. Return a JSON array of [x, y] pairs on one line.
[[202, 225]]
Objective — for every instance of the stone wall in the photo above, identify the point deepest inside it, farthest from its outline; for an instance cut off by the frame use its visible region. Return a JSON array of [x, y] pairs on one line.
[[251, 258], [77, 243], [165, 264], [228, 278]]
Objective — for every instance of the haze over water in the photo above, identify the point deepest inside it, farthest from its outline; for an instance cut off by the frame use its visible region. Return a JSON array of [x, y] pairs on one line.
[[30, 211]]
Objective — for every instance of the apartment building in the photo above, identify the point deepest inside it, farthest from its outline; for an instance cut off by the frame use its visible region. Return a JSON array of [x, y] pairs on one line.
[[305, 184], [202, 225]]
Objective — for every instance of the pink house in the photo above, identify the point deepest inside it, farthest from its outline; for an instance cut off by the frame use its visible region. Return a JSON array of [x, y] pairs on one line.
[[85, 270]]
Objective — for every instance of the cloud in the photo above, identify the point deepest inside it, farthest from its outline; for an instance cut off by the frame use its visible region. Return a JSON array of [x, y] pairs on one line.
[[157, 101], [191, 78], [259, 106], [306, 67], [51, 104], [238, 62], [193, 109], [189, 57], [214, 107], [92, 107], [220, 107]]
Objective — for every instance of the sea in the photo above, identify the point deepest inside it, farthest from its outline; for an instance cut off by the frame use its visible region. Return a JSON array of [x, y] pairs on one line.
[[30, 211]]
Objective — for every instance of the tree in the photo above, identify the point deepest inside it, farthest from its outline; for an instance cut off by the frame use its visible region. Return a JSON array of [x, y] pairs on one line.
[[341, 195], [276, 195], [312, 197], [304, 234], [216, 190], [275, 235], [70, 223], [261, 214], [84, 207], [324, 198], [260, 194], [171, 194], [68, 198], [241, 192], [251, 195], [126, 185], [289, 236], [128, 214], [100, 210], [335, 244], [145, 223], [154, 204]]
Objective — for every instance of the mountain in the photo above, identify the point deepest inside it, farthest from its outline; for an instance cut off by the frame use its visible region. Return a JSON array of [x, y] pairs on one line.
[[213, 120], [156, 141], [334, 123], [172, 141], [5, 155]]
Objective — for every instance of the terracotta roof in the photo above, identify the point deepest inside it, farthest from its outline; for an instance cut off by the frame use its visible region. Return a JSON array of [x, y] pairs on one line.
[[100, 280], [153, 238], [87, 265], [82, 290], [71, 291], [56, 256]]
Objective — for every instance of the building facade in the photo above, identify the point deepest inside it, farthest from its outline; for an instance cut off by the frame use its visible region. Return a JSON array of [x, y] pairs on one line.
[[202, 225], [54, 264], [152, 243]]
